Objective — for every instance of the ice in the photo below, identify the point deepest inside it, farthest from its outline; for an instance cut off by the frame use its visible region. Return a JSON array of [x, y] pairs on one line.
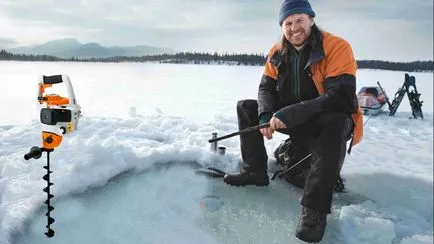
[[127, 173]]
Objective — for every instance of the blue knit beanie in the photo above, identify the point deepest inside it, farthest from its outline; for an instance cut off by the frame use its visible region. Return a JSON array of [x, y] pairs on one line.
[[294, 7]]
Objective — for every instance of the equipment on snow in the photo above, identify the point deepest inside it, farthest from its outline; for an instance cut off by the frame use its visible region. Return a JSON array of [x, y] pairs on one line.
[[291, 158], [215, 148], [58, 115], [409, 87], [282, 172], [371, 100], [214, 172], [413, 97], [63, 111], [214, 144]]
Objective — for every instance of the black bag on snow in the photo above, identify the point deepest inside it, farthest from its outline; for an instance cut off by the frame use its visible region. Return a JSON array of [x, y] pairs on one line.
[[288, 153]]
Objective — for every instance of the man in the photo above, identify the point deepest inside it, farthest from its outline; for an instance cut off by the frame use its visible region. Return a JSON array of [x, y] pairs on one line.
[[308, 90]]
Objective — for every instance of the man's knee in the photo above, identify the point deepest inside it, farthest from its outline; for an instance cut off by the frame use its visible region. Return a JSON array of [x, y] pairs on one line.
[[248, 104], [248, 109]]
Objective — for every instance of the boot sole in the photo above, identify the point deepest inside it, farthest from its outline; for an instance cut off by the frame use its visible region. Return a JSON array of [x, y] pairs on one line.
[[306, 239], [309, 241]]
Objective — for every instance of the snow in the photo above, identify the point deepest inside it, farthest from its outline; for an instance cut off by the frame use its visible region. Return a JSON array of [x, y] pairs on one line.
[[145, 126]]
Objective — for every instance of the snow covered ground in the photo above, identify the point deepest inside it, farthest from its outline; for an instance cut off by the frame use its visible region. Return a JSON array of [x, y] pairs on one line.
[[126, 175]]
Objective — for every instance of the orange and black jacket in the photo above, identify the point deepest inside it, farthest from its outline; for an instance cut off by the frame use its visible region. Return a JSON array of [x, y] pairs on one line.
[[298, 87]]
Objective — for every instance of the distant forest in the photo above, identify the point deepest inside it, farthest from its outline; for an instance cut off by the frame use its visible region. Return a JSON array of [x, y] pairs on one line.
[[227, 59]]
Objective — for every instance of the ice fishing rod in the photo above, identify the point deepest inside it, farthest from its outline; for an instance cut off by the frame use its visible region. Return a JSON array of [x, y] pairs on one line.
[[217, 173], [281, 172], [58, 115]]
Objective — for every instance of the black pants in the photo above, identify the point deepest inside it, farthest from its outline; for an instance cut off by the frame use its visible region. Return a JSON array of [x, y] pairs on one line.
[[326, 135]]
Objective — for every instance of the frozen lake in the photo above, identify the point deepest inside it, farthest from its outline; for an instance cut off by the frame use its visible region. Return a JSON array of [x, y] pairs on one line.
[[127, 174]]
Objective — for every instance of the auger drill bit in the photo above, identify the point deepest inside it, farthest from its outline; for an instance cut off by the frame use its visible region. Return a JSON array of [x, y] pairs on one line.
[[50, 220]]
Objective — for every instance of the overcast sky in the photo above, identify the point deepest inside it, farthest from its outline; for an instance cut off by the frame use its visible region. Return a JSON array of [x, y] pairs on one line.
[[396, 30]]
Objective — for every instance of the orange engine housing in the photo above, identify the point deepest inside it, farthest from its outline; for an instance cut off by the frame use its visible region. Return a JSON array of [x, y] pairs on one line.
[[55, 100]]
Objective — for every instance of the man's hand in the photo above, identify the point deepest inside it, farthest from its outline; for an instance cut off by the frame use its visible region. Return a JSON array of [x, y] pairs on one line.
[[275, 124], [267, 132]]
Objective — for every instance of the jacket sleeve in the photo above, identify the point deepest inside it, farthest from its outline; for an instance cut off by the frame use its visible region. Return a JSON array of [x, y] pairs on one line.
[[339, 90], [267, 92]]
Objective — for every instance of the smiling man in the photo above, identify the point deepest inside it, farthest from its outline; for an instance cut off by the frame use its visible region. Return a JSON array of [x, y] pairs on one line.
[[308, 92]]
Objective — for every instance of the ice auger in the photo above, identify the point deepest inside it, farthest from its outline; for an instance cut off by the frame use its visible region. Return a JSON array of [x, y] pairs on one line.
[[58, 115], [413, 95]]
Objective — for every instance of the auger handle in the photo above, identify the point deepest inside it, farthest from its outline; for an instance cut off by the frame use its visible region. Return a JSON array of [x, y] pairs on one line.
[[35, 152], [247, 130], [53, 79]]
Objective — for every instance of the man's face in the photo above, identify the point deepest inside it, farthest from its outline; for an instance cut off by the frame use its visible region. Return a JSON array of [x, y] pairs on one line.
[[296, 28]]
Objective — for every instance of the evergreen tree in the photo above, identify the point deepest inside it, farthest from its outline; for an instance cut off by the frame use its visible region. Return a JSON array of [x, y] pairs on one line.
[[215, 58]]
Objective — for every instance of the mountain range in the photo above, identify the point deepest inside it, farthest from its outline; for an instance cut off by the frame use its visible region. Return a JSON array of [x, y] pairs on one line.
[[70, 47]]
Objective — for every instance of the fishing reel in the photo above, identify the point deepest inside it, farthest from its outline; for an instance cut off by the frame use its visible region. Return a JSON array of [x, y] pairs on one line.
[[58, 116]]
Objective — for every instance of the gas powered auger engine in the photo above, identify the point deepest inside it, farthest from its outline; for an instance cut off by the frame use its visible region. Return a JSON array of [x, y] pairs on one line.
[[58, 115], [68, 120]]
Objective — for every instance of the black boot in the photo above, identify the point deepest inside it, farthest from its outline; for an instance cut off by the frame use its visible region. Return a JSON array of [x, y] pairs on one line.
[[247, 178], [311, 225]]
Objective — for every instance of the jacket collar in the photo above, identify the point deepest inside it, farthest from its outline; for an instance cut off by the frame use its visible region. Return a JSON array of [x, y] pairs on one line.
[[317, 52]]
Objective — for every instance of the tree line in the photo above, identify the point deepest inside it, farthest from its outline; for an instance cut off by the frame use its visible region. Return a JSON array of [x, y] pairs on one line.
[[207, 58]]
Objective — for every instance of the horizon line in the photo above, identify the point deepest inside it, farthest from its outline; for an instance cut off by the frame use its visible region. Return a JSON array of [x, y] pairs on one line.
[[196, 52]]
